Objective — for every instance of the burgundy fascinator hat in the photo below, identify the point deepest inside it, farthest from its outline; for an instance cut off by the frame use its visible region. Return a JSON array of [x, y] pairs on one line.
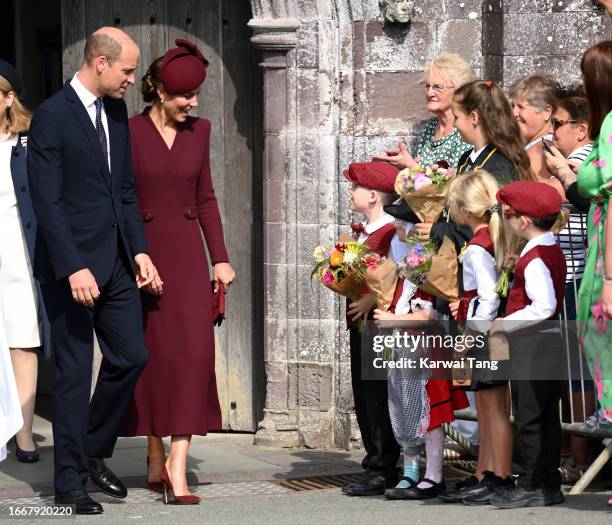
[[183, 68]]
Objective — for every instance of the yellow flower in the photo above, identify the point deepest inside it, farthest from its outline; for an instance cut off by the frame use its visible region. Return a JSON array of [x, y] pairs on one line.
[[336, 259]]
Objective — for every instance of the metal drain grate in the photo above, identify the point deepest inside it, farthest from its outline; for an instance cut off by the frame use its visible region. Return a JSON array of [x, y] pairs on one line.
[[317, 482], [452, 470]]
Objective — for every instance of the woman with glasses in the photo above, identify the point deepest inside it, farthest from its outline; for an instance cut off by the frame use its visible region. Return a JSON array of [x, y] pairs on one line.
[[439, 140], [570, 124]]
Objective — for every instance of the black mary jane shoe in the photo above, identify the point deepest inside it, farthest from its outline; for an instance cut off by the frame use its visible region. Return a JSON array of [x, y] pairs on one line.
[[426, 493], [26, 456], [104, 478], [400, 492]]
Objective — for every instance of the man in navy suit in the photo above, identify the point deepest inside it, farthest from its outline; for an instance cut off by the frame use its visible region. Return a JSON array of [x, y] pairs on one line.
[[91, 258]]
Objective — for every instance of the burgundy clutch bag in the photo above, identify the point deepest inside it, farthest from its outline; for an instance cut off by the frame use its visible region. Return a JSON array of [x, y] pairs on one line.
[[218, 306]]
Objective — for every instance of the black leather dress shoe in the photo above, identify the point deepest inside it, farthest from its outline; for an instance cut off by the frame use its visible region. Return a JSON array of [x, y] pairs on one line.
[[104, 479], [26, 456], [521, 497], [81, 501], [372, 484], [427, 493]]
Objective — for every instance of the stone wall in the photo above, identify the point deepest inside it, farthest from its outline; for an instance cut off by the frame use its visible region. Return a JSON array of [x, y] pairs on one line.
[[340, 86]]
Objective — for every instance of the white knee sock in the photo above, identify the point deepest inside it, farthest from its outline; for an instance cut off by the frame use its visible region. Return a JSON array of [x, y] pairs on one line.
[[434, 450]]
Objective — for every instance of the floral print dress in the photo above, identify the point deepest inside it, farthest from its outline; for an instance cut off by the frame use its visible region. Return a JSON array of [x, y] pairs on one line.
[[595, 182], [449, 148]]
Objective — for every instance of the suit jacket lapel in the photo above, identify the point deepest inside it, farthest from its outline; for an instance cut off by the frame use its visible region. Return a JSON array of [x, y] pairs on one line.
[[88, 127]]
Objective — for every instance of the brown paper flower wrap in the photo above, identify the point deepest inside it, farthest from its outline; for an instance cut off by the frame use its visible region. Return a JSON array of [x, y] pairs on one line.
[[441, 279], [381, 282], [425, 190]]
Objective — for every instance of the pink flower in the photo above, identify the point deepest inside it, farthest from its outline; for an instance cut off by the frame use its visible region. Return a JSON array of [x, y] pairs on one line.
[[599, 267], [610, 138], [600, 318], [600, 163], [597, 377], [607, 413], [328, 278], [412, 259], [421, 182]]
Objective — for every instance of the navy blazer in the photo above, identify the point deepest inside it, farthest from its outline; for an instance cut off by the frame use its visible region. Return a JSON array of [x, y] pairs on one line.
[[80, 216], [19, 174]]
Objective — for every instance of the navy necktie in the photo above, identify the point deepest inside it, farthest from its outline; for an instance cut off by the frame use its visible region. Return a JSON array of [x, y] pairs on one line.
[[101, 132]]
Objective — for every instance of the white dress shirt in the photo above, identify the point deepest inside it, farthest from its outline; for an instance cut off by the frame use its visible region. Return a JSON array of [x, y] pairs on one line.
[[475, 154], [539, 288], [371, 227], [479, 274], [88, 99]]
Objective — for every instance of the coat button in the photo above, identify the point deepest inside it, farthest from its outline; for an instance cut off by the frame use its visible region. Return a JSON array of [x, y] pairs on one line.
[[29, 225], [23, 189], [114, 224]]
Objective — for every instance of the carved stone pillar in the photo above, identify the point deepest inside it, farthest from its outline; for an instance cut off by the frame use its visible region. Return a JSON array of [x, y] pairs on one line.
[[277, 40]]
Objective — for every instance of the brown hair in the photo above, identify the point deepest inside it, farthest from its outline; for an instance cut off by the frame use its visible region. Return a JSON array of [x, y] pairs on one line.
[[577, 108], [539, 90], [17, 115], [596, 66], [101, 44], [152, 81], [498, 124]]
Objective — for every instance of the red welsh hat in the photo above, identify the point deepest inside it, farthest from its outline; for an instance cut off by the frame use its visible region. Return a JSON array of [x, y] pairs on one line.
[[378, 176], [183, 68], [534, 199]]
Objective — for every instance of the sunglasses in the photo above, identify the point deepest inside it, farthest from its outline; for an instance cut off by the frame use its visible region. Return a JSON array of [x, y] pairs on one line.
[[557, 123]]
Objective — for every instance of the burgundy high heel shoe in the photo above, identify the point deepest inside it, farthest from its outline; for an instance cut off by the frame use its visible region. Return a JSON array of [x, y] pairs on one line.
[[177, 500], [153, 486]]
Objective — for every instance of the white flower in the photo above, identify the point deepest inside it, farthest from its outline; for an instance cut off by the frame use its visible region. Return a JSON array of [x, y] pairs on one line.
[[320, 253], [350, 257]]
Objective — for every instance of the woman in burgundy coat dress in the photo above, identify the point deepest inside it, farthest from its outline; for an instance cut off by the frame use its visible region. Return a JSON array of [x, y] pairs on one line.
[[177, 392]]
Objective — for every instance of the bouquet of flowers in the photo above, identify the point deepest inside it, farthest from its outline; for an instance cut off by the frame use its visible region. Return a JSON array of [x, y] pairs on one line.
[[425, 189], [433, 269], [417, 263], [347, 266]]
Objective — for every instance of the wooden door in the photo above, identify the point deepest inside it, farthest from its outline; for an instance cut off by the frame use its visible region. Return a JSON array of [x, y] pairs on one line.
[[231, 98]]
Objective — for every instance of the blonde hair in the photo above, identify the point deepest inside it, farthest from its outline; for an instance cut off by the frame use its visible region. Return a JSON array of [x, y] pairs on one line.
[[474, 192], [17, 115], [539, 90], [452, 66]]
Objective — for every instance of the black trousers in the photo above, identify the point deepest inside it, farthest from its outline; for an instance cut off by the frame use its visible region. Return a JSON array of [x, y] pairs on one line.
[[82, 428], [535, 406], [372, 411]]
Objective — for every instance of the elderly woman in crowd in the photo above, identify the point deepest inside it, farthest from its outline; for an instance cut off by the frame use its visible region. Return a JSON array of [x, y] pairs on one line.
[[534, 99], [440, 140]]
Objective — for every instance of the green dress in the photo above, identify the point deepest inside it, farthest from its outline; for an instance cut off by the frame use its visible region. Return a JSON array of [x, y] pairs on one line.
[[449, 148], [595, 182]]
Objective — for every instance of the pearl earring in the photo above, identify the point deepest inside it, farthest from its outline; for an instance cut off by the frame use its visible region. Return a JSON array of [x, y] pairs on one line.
[[163, 100]]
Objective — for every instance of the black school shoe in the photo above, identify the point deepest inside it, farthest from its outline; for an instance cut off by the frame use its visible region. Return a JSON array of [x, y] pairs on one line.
[[464, 488], [521, 497], [494, 485], [80, 501], [426, 493], [372, 483], [399, 492]]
